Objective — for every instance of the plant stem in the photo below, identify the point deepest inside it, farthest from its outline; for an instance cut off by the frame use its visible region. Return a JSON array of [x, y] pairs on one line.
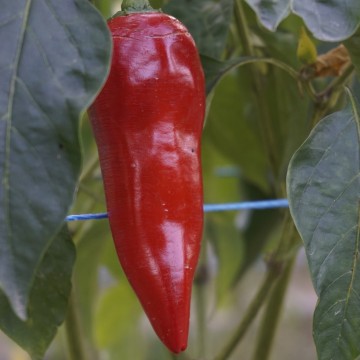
[[90, 169], [327, 98], [339, 81], [73, 332], [243, 29], [133, 5], [272, 314], [265, 127], [250, 315], [201, 316], [277, 266]]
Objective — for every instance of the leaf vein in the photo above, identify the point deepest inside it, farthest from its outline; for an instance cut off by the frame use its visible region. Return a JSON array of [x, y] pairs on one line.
[[6, 175], [325, 151]]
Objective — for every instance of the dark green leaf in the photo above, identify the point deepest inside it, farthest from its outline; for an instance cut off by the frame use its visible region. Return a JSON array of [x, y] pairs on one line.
[[323, 189], [47, 302], [49, 73], [270, 12], [207, 20]]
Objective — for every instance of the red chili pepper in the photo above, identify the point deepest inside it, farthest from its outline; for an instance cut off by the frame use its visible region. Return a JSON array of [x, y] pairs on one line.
[[148, 121]]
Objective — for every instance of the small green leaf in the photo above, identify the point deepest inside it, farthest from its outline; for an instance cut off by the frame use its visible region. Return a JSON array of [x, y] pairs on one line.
[[306, 51], [207, 20], [323, 189], [49, 73], [47, 302]]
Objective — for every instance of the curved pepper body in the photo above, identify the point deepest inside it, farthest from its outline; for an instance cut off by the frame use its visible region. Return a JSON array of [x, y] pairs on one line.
[[148, 121]]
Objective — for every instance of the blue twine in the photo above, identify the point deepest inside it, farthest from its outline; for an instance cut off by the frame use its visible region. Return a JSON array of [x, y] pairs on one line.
[[246, 205]]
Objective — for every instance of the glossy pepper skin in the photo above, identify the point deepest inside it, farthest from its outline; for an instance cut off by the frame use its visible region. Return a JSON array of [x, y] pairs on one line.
[[147, 122]]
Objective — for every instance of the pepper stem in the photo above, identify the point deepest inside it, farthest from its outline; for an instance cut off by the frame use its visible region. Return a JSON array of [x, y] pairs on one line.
[[135, 5]]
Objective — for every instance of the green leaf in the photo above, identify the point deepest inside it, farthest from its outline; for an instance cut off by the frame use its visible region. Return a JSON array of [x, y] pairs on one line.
[[329, 20], [116, 314], [323, 189], [270, 12], [49, 73], [207, 20], [47, 302]]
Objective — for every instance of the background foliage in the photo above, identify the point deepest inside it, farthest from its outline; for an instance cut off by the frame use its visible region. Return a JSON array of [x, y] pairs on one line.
[[271, 92]]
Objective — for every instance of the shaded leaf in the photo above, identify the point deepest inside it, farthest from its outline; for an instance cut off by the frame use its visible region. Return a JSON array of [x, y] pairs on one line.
[[49, 71], [233, 134], [270, 12], [323, 189], [207, 20], [280, 98], [47, 302]]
